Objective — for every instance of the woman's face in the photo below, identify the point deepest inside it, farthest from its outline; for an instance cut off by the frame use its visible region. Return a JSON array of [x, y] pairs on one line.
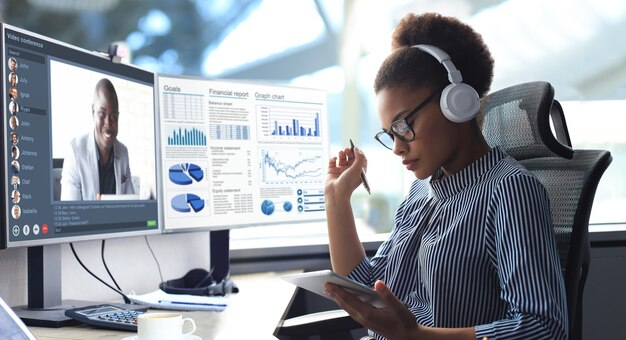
[[436, 138]]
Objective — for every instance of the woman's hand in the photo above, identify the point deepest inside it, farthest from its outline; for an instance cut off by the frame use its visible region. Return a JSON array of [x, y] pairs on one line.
[[344, 171], [394, 321]]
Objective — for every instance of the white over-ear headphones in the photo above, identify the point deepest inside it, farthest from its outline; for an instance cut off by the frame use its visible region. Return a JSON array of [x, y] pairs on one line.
[[459, 101]]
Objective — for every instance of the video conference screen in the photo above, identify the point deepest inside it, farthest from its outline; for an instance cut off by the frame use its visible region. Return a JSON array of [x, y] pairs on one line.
[[238, 154], [80, 146]]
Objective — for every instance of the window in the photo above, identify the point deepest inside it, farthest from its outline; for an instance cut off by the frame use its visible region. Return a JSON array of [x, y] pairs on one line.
[[599, 124], [338, 46]]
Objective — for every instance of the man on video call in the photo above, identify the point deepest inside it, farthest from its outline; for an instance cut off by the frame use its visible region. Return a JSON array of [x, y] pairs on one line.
[[97, 163]]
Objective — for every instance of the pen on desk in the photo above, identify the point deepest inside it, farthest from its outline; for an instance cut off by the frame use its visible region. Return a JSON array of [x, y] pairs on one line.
[[363, 178], [165, 302]]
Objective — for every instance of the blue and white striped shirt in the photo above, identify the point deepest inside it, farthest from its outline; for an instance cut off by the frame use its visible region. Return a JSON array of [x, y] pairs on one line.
[[476, 250]]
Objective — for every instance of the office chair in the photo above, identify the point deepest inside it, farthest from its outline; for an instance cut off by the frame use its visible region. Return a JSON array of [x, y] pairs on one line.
[[517, 119]]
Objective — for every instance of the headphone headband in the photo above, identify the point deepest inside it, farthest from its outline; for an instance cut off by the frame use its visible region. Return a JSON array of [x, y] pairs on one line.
[[454, 75]]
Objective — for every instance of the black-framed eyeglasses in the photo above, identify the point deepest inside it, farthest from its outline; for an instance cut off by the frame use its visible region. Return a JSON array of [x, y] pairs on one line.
[[401, 128]]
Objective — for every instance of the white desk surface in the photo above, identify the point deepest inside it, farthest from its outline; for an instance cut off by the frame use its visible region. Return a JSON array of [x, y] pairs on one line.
[[253, 313]]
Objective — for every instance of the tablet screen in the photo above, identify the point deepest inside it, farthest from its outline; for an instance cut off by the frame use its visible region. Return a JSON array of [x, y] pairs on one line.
[[11, 326], [314, 282]]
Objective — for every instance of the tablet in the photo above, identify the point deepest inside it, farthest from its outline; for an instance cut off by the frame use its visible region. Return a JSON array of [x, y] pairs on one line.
[[11, 326], [314, 282]]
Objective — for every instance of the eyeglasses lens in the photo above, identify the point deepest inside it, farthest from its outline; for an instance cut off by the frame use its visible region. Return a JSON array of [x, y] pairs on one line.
[[385, 139]]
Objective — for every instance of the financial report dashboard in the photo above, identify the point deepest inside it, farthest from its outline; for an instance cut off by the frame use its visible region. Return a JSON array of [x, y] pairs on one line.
[[240, 153]]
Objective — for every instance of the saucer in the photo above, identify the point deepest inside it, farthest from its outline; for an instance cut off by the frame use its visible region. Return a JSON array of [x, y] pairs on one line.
[[185, 337]]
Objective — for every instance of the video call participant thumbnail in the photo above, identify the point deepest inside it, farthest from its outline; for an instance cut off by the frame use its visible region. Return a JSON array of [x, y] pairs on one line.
[[12, 64], [98, 163], [15, 182], [16, 212], [13, 80], [15, 196], [15, 152], [13, 93], [15, 167], [14, 122]]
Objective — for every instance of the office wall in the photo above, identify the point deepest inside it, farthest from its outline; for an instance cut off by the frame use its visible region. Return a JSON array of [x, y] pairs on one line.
[[128, 259]]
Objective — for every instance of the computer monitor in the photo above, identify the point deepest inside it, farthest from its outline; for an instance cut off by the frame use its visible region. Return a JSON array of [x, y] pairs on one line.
[[78, 132], [238, 154]]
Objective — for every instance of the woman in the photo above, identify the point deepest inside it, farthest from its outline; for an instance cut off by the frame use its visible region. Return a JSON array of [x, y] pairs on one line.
[[472, 252]]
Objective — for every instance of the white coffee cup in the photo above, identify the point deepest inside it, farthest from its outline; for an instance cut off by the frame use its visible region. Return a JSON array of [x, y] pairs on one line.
[[162, 326]]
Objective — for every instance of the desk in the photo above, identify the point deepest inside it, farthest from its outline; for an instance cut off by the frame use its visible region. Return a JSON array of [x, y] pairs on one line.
[[253, 313]]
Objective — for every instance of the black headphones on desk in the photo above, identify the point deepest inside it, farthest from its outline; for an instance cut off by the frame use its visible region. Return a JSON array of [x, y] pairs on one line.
[[199, 282]]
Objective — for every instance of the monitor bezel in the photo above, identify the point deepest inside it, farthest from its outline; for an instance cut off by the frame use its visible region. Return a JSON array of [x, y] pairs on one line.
[[5, 233]]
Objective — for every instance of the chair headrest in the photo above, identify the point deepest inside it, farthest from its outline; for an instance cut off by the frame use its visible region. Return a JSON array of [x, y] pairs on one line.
[[517, 119]]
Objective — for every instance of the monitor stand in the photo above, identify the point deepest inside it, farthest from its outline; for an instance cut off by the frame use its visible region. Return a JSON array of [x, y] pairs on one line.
[[45, 307], [219, 261], [219, 252]]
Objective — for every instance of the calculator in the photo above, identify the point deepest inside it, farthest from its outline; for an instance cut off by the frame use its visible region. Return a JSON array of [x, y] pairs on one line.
[[118, 317]]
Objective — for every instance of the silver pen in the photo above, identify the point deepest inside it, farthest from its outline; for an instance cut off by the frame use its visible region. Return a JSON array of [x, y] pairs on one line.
[[363, 178]]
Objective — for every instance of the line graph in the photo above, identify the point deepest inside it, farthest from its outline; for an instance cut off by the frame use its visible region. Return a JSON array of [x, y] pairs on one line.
[[282, 166]]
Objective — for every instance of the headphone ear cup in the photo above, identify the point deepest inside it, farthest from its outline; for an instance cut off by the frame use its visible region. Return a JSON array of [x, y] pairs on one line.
[[459, 102]]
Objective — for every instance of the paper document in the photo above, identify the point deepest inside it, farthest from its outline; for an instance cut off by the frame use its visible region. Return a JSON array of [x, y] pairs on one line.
[[162, 300]]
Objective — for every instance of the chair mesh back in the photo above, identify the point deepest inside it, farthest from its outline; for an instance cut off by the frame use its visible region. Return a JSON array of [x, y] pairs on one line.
[[566, 181], [517, 120]]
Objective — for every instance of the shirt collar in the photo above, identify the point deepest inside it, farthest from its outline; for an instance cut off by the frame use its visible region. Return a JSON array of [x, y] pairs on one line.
[[449, 186], [98, 152]]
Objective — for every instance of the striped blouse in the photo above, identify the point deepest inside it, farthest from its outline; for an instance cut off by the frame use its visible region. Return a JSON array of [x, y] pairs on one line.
[[476, 249]]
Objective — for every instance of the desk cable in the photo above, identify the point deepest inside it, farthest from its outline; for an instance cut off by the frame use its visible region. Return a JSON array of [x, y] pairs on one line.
[[104, 262], [154, 256], [126, 299]]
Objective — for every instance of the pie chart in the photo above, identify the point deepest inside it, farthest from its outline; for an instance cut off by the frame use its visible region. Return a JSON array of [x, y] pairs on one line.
[[185, 173], [267, 207], [185, 203]]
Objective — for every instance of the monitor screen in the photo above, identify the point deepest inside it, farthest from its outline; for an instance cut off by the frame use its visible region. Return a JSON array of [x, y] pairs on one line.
[[79, 146], [240, 154]]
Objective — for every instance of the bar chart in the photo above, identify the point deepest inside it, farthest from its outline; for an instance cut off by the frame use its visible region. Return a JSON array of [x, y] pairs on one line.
[[301, 126], [290, 123], [185, 136]]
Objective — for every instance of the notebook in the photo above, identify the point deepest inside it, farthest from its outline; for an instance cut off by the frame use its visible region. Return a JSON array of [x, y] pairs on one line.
[[11, 326], [162, 300]]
